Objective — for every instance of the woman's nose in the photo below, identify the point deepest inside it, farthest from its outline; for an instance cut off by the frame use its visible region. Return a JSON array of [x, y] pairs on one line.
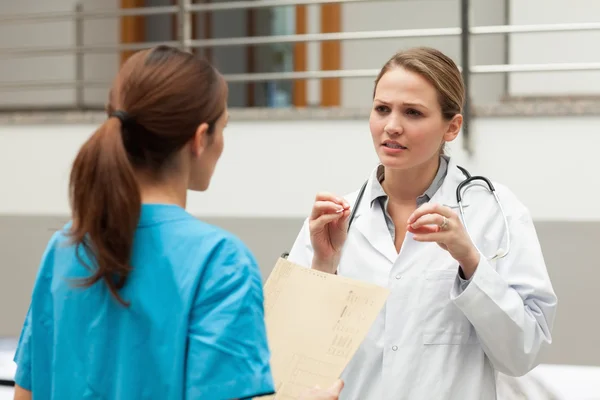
[[393, 127]]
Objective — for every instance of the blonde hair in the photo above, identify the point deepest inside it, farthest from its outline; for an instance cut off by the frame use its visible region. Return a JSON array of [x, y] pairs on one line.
[[438, 69]]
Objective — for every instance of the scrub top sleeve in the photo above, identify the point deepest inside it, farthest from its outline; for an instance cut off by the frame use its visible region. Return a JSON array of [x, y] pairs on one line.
[[23, 355], [228, 355]]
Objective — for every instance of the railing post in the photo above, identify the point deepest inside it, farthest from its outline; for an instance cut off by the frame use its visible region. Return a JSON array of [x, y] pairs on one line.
[[465, 37], [185, 24], [79, 58], [506, 49]]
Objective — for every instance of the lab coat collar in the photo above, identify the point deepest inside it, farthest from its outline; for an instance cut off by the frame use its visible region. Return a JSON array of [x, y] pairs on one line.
[[370, 220], [446, 195]]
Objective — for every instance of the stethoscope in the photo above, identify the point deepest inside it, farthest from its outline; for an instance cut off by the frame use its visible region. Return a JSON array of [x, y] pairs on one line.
[[460, 189]]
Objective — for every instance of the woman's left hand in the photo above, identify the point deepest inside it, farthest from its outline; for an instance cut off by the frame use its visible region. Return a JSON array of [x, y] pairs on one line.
[[436, 223]]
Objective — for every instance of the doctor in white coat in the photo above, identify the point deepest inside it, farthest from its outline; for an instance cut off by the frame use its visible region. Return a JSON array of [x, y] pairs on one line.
[[454, 318]]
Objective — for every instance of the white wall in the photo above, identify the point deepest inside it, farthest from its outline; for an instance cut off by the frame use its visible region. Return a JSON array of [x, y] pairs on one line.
[[554, 47], [272, 168]]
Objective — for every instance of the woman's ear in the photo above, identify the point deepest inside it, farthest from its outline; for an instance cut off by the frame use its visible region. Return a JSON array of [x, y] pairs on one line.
[[200, 140], [453, 128]]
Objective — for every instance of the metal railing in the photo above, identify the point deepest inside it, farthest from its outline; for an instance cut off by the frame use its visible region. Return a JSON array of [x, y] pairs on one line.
[[185, 10]]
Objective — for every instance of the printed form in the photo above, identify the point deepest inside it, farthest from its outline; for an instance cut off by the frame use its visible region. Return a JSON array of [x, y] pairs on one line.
[[315, 323]]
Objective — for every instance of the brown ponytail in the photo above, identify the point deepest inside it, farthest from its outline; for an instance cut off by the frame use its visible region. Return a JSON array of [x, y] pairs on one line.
[[159, 98], [106, 205]]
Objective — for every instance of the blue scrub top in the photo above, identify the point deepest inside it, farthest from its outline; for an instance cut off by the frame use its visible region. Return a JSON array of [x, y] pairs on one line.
[[194, 328]]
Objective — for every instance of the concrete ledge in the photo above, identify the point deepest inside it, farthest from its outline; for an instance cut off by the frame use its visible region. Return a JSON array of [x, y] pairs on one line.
[[514, 107]]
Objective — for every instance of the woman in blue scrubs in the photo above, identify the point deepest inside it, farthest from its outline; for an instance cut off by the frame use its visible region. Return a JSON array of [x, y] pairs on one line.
[[135, 298]]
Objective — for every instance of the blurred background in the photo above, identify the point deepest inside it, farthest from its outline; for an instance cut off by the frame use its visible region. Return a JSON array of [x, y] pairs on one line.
[[301, 78]]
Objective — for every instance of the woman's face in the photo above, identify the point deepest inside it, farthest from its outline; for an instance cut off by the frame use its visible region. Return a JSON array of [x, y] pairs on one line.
[[406, 121]]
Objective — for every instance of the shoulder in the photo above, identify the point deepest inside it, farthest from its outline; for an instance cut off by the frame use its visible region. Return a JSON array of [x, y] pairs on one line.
[[477, 192], [220, 248], [206, 237], [228, 269], [512, 205], [59, 239]]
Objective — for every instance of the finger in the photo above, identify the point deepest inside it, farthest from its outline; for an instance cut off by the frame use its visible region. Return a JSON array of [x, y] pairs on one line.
[[345, 215], [437, 237], [337, 387], [428, 219], [325, 207], [430, 208], [319, 223], [326, 196], [423, 229], [344, 220]]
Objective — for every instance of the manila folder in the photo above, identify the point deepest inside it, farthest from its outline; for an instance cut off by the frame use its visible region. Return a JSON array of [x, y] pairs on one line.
[[315, 323]]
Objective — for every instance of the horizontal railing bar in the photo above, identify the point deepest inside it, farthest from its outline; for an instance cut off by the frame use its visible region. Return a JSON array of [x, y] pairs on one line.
[[131, 12], [276, 76], [154, 10], [254, 77], [240, 5], [584, 26], [91, 49], [37, 17], [389, 34], [247, 4], [316, 37], [358, 73], [487, 69], [27, 85], [67, 15], [311, 37]]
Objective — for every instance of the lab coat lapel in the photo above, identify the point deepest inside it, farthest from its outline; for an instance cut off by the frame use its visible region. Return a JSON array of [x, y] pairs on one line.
[[370, 222]]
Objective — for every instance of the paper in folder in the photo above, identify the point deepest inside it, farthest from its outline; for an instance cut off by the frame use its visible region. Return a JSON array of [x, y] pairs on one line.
[[315, 323]]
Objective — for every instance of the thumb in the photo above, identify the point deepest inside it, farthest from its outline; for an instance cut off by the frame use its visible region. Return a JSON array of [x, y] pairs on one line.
[[337, 387], [344, 220]]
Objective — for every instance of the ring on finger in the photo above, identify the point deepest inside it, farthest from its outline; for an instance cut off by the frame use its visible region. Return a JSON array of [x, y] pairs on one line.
[[444, 224]]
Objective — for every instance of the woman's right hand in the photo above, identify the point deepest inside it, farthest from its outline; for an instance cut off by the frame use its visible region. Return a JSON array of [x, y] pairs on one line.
[[333, 393], [328, 224]]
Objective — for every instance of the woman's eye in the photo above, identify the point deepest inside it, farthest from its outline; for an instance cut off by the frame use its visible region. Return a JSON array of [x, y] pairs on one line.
[[413, 113], [382, 109]]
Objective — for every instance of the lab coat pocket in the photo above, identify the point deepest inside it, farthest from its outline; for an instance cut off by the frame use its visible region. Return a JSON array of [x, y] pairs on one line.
[[444, 323]]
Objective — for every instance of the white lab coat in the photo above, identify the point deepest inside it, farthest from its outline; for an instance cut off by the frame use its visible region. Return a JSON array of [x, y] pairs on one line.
[[439, 337]]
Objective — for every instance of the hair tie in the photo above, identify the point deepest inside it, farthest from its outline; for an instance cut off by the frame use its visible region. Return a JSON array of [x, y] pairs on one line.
[[122, 116]]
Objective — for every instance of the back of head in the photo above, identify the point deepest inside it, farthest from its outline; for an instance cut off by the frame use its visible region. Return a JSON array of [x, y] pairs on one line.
[[157, 102], [438, 69]]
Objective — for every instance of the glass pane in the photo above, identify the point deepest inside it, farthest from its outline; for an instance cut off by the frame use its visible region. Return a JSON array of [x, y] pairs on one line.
[[282, 23], [245, 59]]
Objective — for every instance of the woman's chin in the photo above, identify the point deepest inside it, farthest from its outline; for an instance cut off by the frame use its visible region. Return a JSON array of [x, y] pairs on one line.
[[394, 162]]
